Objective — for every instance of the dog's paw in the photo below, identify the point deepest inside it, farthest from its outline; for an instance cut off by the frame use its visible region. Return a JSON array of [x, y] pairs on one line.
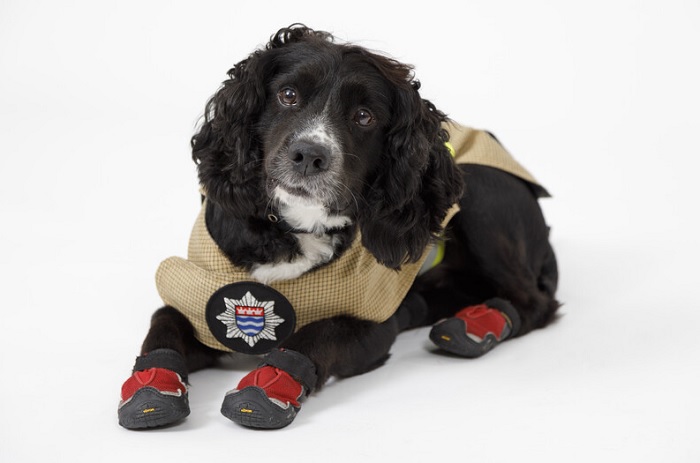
[[266, 398], [152, 398], [473, 331], [251, 407]]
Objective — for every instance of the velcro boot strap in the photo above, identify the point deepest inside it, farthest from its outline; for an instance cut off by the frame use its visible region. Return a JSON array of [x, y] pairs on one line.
[[296, 364]]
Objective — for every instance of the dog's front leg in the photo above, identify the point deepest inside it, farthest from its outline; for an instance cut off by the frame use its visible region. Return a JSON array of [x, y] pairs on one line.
[[156, 392], [270, 396]]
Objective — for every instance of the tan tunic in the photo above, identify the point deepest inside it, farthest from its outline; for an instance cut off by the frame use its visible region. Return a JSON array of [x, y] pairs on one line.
[[354, 284], [478, 147]]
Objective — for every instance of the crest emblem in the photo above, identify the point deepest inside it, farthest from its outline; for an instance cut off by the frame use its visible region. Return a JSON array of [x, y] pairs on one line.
[[250, 319]]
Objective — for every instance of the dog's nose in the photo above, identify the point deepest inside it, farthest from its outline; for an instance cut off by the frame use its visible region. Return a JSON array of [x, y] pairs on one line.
[[309, 158]]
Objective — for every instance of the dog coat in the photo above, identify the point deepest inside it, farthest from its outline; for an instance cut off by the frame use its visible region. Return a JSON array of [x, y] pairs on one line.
[[230, 311]]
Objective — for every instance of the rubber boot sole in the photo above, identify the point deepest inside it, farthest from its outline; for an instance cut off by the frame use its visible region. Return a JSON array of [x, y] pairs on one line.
[[450, 335], [149, 408], [252, 408]]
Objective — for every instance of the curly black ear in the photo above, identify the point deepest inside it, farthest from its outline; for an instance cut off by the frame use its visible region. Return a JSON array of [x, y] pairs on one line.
[[418, 182], [227, 148]]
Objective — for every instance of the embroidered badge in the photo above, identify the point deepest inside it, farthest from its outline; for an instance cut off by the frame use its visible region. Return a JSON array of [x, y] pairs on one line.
[[250, 317]]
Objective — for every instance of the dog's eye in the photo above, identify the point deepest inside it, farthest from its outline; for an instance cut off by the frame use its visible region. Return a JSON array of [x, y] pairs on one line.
[[363, 118], [288, 96]]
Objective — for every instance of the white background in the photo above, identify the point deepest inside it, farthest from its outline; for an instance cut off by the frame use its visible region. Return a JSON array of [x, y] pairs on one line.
[[598, 99]]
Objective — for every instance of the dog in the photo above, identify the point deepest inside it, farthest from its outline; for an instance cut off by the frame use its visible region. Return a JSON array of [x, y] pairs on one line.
[[336, 213]]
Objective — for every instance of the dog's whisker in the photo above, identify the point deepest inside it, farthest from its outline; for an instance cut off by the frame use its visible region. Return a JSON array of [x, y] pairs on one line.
[[351, 194]]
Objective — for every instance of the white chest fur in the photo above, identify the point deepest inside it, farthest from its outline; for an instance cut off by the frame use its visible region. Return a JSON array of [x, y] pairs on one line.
[[307, 215], [316, 246]]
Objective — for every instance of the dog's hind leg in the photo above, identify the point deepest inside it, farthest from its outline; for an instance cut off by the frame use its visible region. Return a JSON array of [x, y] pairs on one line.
[[156, 392], [502, 261], [512, 304], [270, 396]]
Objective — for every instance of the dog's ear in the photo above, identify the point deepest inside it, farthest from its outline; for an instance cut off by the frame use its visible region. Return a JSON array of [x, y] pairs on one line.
[[418, 181], [226, 149]]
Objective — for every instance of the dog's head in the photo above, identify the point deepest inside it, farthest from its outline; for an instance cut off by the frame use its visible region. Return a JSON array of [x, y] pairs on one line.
[[313, 122]]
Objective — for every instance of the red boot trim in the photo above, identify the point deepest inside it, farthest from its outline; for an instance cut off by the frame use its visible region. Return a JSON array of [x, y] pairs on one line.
[[279, 386], [164, 381], [482, 320]]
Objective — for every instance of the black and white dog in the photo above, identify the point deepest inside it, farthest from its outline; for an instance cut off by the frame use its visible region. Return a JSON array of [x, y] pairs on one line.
[[320, 164]]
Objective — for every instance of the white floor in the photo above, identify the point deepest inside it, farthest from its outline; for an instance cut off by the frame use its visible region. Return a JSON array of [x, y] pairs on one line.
[[598, 99]]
